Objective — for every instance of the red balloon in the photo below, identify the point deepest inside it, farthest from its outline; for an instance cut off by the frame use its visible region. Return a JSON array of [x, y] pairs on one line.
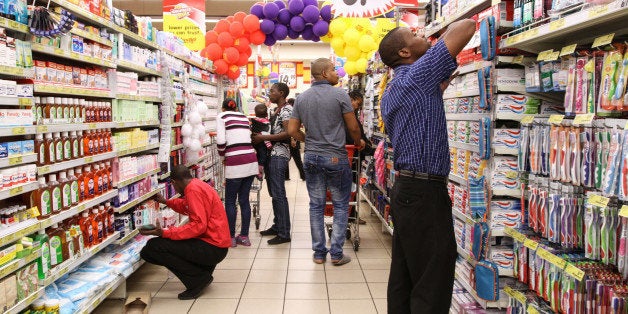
[[222, 26], [243, 60], [234, 72], [230, 18], [239, 16], [251, 23], [214, 51], [236, 29], [225, 39], [258, 37], [231, 55], [248, 51], [211, 37], [241, 44], [220, 66]]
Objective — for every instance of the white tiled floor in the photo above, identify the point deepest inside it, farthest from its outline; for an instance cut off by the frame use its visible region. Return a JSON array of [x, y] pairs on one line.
[[283, 278]]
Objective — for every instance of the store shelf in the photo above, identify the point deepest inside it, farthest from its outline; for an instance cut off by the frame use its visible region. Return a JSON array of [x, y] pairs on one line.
[[209, 119], [510, 89], [164, 176], [17, 160], [185, 59], [201, 93], [13, 233], [458, 179], [383, 192], [198, 79], [198, 161], [17, 130], [458, 94], [70, 90], [17, 72], [581, 27], [206, 177], [176, 147], [517, 117], [462, 216], [127, 237], [136, 201], [501, 303], [506, 151], [17, 190], [465, 146], [138, 98], [94, 301], [466, 116], [14, 26], [71, 264], [497, 232], [382, 220], [472, 67], [92, 37], [136, 178], [137, 150], [136, 124], [68, 127], [177, 124], [72, 56], [16, 264], [22, 305], [464, 254], [127, 65], [136, 266], [78, 209], [56, 167], [507, 192], [472, 9]]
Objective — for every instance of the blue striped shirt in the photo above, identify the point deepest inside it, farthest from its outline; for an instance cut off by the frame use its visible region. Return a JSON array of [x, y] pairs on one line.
[[412, 108]]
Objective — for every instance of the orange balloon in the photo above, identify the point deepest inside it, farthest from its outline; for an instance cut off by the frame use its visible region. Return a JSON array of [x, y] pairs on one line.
[[211, 37], [241, 44], [222, 26], [214, 51], [220, 66], [243, 60], [251, 23], [234, 72], [239, 16], [236, 29], [258, 37], [231, 55], [225, 39], [230, 18]]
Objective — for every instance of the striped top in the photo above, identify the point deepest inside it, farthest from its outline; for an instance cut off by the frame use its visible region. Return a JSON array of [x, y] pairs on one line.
[[233, 139]]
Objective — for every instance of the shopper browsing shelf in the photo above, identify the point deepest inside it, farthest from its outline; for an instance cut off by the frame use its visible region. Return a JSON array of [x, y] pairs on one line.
[[424, 248], [192, 251], [278, 163], [324, 110], [233, 140]]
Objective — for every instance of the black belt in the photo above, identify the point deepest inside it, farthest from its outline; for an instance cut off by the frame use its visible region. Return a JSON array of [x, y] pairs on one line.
[[422, 176]]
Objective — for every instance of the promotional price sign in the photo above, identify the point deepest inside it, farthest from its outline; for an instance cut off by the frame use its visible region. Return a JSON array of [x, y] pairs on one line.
[[288, 74], [361, 8], [186, 19]]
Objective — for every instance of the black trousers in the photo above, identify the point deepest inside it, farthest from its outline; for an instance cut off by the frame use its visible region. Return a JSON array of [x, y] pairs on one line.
[[423, 249], [295, 152], [193, 261]]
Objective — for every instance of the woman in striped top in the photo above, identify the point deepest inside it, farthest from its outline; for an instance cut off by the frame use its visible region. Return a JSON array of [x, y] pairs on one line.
[[233, 139]]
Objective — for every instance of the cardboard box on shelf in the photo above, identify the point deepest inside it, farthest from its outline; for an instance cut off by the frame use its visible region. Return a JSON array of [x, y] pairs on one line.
[[137, 303]]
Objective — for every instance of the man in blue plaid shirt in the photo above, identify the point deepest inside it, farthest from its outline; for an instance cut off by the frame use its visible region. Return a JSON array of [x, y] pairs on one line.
[[424, 247]]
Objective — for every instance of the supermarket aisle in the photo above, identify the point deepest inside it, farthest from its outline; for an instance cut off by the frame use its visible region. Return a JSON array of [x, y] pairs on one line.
[[280, 279]]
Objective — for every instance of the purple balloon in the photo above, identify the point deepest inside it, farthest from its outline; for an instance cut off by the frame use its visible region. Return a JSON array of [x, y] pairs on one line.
[[258, 10], [280, 4], [308, 33], [267, 26], [280, 32], [326, 13], [284, 16], [311, 14], [297, 23], [296, 6], [273, 75], [271, 10], [315, 39], [310, 2], [341, 72], [390, 14], [293, 34], [270, 40], [321, 28]]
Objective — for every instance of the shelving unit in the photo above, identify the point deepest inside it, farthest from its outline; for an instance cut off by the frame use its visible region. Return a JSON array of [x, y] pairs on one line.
[[136, 201], [136, 178], [74, 163], [385, 226]]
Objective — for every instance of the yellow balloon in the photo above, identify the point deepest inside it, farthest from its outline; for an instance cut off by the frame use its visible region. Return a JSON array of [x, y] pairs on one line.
[[352, 53], [265, 72], [351, 36], [350, 68], [337, 43], [366, 43], [337, 27], [362, 25], [327, 38], [360, 65]]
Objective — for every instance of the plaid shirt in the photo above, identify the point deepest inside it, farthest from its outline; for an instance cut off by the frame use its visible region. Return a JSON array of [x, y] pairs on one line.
[[412, 107]]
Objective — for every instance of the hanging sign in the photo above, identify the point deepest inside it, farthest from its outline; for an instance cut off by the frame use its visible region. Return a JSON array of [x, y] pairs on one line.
[[288, 74], [361, 8], [186, 19]]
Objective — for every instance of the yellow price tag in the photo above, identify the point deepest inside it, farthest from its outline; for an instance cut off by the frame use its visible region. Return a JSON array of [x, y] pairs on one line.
[[15, 160], [25, 101], [44, 169], [92, 126], [42, 129], [532, 309], [517, 295], [623, 211], [543, 55], [518, 59], [598, 200], [512, 174], [597, 11], [531, 33], [542, 253], [530, 244], [509, 231], [567, 50], [552, 56], [510, 40], [556, 118], [519, 237], [603, 40], [586, 118], [554, 25], [527, 119], [16, 191], [574, 271], [20, 130], [89, 159]]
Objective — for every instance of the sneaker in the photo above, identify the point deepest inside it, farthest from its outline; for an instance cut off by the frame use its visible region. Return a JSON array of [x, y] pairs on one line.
[[338, 262], [194, 293], [234, 242], [318, 260], [243, 240], [278, 240], [268, 232]]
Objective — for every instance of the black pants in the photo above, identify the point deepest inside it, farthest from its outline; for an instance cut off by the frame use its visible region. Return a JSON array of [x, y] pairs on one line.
[[424, 248], [193, 261], [295, 152]]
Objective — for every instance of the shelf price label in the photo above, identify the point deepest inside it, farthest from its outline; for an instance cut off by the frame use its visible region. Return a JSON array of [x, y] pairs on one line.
[[567, 50], [15, 160], [531, 244], [574, 271], [598, 10], [20, 130], [44, 169], [16, 191], [89, 160], [552, 56], [556, 119], [544, 54], [598, 200], [518, 59], [581, 119], [42, 129], [603, 40], [517, 295], [554, 25], [623, 211], [527, 119], [532, 309]]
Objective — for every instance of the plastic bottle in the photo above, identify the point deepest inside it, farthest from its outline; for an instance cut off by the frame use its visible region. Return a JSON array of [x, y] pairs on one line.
[[97, 180], [97, 226], [74, 188], [49, 148], [112, 218], [67, 146], [38, 306], [40, 149], [71, 235], [66, 194], [55, 192], [69, 240], [108, 141], [87, 143], [58, 146], [101, 141], [86, 228], [109, 113], [81, 144], [104, 174], [43, 262], [81, 184], [83, 109], [42, 199], [109, 174], [79, 244], [52, 306], [38, 114], [50, 110], [74, 144], [58, 247], [104, 217], [66, 110], [90, 183]]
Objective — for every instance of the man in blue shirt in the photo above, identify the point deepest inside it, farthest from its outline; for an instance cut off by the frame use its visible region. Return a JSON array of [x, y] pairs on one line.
[[424, 247]]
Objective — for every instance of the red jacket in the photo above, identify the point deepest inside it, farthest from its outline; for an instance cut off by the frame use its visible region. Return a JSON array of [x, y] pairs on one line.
[[208, 219]]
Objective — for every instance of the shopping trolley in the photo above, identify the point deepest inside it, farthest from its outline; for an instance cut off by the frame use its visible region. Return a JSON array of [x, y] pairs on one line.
[[254, 201], [353, 227]]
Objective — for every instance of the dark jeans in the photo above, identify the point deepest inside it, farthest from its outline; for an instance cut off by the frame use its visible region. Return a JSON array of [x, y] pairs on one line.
[[295, 152], [423, 249], [276, 177], [238, 189], [193, 261]]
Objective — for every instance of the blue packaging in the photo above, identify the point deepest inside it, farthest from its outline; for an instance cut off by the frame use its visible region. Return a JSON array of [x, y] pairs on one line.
[[15, 148], [28, 147], [4, 150]]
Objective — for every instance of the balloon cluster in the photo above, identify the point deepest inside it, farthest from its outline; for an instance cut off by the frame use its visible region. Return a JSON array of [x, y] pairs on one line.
[[228, 44], [297, 18], [194, 132], [352, 38]]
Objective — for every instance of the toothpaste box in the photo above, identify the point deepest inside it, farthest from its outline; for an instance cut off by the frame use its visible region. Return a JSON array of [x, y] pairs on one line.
[[506, 138], [519, 104], [504, 257], [501, 218]]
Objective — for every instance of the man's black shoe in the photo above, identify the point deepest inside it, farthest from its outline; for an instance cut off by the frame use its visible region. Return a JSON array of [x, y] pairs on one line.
[[268, 232], [278, 240], [194, 293]]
